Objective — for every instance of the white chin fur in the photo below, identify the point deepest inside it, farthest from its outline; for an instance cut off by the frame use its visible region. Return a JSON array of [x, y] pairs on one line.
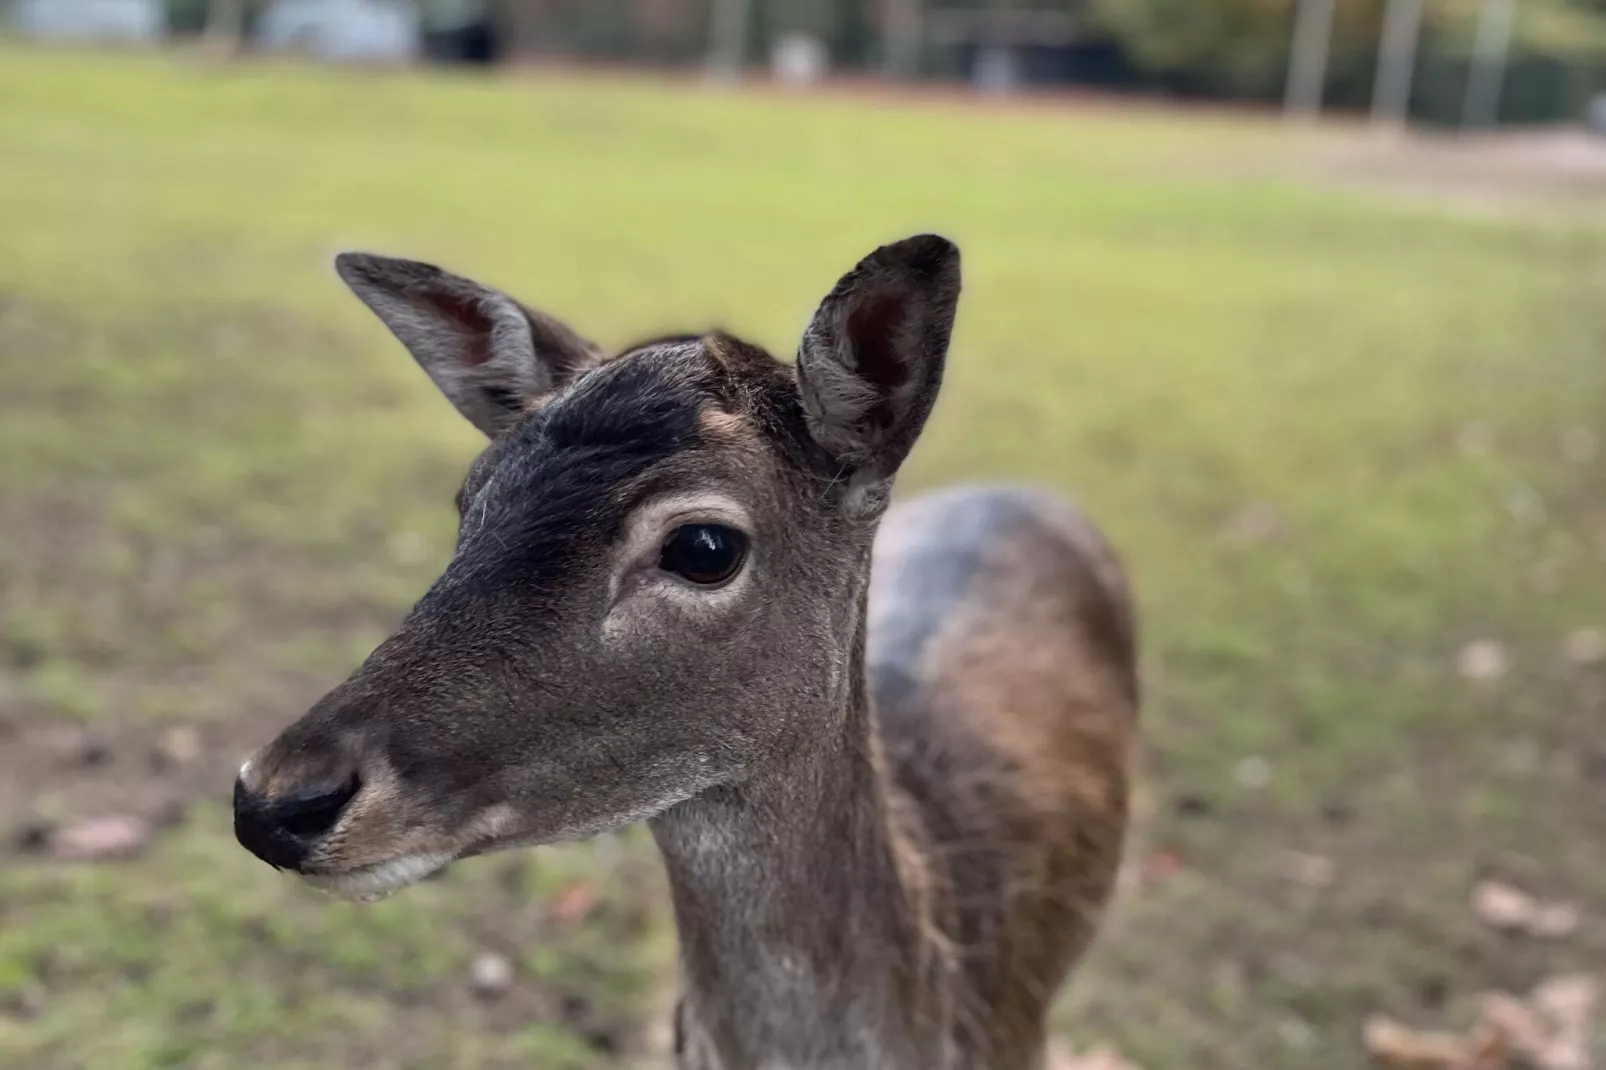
[[372, 883]]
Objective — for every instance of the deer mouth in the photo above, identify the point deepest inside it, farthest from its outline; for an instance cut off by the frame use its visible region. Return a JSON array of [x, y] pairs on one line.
[[371, 883]]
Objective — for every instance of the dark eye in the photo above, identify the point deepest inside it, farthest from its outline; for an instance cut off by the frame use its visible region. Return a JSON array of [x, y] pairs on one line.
[[703, 553]]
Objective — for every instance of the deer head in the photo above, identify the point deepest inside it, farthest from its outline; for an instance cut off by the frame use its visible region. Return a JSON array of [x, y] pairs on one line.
[[658, 582]]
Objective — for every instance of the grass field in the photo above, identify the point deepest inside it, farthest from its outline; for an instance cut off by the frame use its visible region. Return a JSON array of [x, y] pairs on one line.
[[1339, 432]]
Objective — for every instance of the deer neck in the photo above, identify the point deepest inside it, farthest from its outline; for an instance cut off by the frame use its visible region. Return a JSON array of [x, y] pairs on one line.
[[800, 919]]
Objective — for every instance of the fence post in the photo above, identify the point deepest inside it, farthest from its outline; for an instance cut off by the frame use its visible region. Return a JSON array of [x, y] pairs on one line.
[[727, 39], [1396, 63], [1490, 52], [900, 38], [1307, 61]]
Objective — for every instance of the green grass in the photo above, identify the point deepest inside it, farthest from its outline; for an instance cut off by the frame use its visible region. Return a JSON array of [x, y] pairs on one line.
[[221, 481]]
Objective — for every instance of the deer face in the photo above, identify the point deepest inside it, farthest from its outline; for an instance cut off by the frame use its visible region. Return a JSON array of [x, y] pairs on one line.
[[657, 582]]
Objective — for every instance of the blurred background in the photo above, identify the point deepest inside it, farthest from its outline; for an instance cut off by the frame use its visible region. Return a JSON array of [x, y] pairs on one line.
[[1303, 300]]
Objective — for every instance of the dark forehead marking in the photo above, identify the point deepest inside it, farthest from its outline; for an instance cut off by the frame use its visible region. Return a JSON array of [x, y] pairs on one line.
[[552, 483], [554, 480], [644, 402]]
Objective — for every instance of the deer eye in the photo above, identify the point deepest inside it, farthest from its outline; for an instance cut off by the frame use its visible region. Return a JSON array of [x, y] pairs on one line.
[[705, 554]]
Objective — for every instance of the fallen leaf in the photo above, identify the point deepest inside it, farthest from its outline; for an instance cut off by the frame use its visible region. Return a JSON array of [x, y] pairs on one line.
[[1488, 1049], [1253, 772], [1483, 659], [1517, 1021], [490, 973], [1400, 1046], [1587, 646], [112, 836], [1569, 999], [1500, 906], [1310, 870], [1061, 1057], [1550, 1030], [573, 903], [179, 746], [1554, 920], [1161, 866]]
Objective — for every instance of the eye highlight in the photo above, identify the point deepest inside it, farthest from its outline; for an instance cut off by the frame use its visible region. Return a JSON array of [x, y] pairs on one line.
[[704, 554]]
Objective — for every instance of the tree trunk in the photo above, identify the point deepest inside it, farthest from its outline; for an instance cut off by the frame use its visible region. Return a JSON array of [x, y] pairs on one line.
[[225, 27], [522, 25], [727, 39], [900, 37]]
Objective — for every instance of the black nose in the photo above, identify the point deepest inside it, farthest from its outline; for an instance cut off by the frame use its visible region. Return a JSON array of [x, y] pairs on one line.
[[282, 831]]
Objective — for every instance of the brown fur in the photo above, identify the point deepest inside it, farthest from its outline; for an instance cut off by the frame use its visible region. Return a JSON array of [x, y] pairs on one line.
[[1027, 696]]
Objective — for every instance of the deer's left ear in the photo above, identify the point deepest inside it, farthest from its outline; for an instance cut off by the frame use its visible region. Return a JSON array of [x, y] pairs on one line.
[[871, 361], [488, 354]]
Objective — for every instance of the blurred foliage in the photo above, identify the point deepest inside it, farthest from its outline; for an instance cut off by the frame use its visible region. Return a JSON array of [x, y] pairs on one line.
[[1240, 48], [1556, 64], [1233, 47], [1223, 48]]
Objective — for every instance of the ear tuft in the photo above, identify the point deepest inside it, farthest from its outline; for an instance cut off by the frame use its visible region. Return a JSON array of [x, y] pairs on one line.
[[871, 361]]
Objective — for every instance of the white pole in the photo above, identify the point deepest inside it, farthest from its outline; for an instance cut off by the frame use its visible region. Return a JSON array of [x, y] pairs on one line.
[[727, 34], [1396, 63], [1489, 54], [1307, 62], [900, 38]]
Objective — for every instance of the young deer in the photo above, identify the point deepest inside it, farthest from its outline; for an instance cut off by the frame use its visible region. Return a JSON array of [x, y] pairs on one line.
[[891, 809]]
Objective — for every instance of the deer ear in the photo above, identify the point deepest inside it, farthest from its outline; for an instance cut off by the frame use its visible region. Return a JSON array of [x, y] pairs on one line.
[[871, 360], [488, 354]]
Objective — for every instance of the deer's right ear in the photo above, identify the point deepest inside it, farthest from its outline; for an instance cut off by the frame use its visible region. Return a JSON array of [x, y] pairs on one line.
[[488, 354]]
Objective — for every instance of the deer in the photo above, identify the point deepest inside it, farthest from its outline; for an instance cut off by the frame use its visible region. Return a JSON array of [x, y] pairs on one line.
[[884, 750]]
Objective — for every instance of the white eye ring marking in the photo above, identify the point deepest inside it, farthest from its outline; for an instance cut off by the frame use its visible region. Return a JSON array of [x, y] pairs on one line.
[[635, 565]]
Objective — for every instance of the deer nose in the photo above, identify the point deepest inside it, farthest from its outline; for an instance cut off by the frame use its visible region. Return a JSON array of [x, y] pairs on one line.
[[283, 831]]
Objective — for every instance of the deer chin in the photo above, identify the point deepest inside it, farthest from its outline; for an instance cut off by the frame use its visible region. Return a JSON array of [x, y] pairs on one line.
[[369, 884]]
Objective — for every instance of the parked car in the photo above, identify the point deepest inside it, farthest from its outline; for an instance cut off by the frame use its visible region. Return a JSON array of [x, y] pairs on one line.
[[137, 21], [341, 29]]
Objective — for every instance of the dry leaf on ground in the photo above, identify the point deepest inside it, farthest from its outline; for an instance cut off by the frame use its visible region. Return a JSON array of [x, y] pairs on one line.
[[1517, 1021], [112, 836], [1484, 659], [574, 902], [1586, 646], [1160, 866], [1569, 1003], [490, 973], [1500, 906], [1310, 870], [1550, 1029], [1404, 1048], [179, 746]]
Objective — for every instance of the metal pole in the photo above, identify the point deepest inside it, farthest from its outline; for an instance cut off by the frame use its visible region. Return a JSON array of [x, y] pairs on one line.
[[225, 26], [1489, 54], [727, 45], [1307, 62], [1396, 62], [900, 38]]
